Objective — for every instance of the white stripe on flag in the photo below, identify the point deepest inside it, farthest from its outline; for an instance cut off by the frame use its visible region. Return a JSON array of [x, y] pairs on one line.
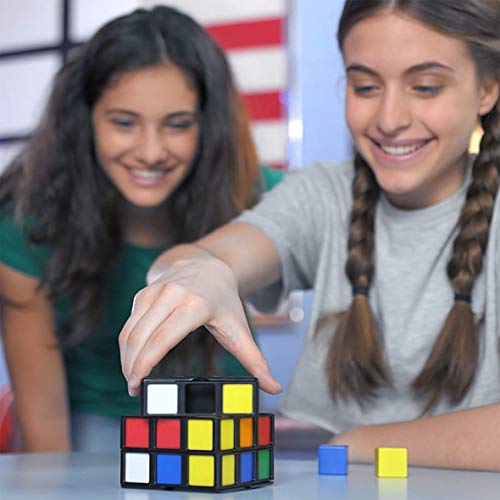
[[259, 70], [225, 11], [270, 139]]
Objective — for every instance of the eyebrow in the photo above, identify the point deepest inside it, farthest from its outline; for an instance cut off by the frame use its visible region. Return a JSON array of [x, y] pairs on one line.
[[175, 114], [414, 69]]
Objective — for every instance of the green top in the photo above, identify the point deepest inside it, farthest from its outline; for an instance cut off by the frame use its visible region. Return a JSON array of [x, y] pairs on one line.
[[95, 381]]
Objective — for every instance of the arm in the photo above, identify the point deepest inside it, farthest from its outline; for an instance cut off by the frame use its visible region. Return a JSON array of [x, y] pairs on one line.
[[200, 285], [35, 364], [460, 440], [238, 245]]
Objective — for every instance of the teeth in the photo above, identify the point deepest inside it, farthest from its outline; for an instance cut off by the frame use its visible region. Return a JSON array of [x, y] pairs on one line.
[[400, 150], [148, 174]]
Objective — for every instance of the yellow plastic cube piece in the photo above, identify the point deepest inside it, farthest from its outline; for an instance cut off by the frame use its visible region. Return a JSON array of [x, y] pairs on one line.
[[200, 435], [228, 470], [201, 470], [391, 462], [237, 398], [227, 434]]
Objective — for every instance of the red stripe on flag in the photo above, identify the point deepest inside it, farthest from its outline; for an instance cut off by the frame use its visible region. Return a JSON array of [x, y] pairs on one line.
[[248, 34], [264, 106]]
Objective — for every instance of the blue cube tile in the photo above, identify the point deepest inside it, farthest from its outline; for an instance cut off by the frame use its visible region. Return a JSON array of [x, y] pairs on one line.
[[168, 469], [246, 467], [332, 460]]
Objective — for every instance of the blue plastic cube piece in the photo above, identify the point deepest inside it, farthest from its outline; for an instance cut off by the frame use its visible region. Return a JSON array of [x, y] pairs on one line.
[[332, 460]]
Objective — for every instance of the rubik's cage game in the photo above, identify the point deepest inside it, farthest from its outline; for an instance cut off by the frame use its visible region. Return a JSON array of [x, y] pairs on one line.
[[198, 434]]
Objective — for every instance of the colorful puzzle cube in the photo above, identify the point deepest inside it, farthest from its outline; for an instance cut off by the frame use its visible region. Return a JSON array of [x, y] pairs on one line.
[[332, 459], [391, 462], [198, 434]]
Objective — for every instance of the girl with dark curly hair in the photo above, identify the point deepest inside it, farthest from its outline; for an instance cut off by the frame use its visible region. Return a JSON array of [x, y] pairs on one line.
[[144, 144]]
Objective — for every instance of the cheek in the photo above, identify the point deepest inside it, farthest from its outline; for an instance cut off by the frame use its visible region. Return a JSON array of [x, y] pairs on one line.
[[357, 115], [186, 145], [451, 122], [109, 144]]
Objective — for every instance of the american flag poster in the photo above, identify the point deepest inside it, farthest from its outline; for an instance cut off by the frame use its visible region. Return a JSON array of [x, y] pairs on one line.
[[253, 35]]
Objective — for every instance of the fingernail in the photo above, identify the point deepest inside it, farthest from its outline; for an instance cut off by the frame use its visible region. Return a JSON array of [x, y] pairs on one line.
[[278, 386], [132, 384]]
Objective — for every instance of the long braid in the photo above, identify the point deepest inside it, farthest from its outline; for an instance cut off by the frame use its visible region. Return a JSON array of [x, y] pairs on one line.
[[451, 365], [355, 364]]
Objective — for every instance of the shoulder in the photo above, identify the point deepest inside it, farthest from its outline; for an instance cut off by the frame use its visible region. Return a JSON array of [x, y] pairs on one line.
[[325, 181], [16, 250]]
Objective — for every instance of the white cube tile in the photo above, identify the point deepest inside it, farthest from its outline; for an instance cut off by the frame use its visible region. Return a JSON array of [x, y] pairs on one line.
[[162, 399], [137, 468]]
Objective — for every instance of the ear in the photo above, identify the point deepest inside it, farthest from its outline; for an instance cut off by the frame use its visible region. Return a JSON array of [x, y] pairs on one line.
[[490, 91]]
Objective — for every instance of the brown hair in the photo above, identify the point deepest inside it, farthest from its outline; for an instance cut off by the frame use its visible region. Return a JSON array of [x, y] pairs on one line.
[[71, 204], [355, 365]]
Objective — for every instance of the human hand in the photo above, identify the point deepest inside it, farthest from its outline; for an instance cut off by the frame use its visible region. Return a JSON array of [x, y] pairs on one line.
[[194, 292]]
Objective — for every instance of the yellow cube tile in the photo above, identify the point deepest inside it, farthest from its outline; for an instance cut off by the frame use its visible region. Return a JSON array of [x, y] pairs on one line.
[[201, 470], [227, 434], [237, 398], [228, 470], [200, 435], [391, 462]]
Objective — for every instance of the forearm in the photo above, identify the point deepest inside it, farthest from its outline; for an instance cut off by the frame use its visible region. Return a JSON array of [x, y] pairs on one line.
[[45, 434], [459, 440], [240, 246]]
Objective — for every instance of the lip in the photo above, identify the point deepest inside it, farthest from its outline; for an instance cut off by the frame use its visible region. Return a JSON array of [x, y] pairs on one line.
[[382, 156]]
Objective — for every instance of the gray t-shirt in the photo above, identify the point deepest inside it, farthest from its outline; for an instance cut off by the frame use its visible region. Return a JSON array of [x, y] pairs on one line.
[[307, 217]]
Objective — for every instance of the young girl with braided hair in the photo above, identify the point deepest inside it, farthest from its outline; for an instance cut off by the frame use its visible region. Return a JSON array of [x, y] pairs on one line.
[[401, 246]]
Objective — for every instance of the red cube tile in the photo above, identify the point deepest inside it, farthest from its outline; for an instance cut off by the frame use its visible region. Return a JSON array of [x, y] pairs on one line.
[[137, 432], [168, 433], [264, 430]]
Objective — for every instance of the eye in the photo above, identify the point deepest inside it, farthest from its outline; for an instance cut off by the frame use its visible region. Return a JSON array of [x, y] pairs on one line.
[[364, 90], [179, 124], [122, 122], [180, 121], [428, 90]]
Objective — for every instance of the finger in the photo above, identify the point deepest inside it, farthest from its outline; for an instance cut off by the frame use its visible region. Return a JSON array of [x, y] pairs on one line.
[[244, 348], [145, 327], [140, 306], [180, 323]]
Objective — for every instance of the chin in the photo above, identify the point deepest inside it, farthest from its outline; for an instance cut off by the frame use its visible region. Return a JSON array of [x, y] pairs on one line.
[[141, 202]]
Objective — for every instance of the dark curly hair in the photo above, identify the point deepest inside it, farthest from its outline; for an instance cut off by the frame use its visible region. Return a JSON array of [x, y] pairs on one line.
[[57, 184]]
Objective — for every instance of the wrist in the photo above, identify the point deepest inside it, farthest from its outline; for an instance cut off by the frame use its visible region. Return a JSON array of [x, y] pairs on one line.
[[166, 260]]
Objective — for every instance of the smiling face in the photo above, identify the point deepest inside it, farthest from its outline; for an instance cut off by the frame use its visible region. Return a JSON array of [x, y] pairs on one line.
[[413, 98], [146, 133]]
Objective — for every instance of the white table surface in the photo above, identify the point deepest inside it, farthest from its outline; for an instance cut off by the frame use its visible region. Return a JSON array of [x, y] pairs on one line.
[[76, 476]]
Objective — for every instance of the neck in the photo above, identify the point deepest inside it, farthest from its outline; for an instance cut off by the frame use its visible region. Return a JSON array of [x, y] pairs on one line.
[[149, 227]]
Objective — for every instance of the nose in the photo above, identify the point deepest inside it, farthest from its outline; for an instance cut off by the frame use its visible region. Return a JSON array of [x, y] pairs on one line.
[[151, 148], [394, 112]]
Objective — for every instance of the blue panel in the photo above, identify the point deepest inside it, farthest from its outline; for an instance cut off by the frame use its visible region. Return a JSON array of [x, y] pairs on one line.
[[246, 467], [168, 469], [332, 460]]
